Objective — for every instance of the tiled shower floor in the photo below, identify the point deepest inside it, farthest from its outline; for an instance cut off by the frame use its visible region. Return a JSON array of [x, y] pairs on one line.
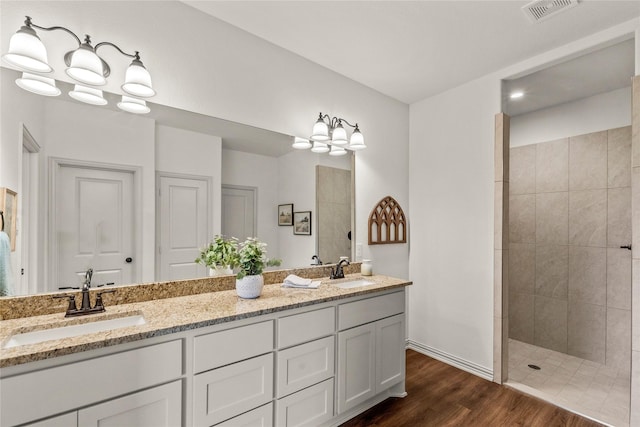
[[588, 388]]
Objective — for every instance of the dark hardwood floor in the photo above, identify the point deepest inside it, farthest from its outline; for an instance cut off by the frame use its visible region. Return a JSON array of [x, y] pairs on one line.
[[441, 395]]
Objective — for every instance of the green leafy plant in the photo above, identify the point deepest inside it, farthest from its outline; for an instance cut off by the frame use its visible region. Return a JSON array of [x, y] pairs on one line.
[[221, 252], [252, 258]]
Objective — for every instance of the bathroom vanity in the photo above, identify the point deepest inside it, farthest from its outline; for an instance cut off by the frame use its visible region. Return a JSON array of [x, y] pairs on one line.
[[291, 357]]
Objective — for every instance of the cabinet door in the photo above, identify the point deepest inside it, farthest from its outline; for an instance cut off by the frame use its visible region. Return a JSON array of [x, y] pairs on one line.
[[259, 417], [356, 369], [157, 407], [312, 406], [229, 391], [305, 365], [390, 354]]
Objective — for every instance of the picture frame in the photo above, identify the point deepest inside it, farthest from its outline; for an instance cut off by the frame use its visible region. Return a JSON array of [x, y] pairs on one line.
[[302, 223], [285, 214], [9, 207]]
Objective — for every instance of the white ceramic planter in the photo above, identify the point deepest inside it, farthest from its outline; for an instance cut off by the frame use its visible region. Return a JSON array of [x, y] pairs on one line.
[[250, 286], [220, 271]]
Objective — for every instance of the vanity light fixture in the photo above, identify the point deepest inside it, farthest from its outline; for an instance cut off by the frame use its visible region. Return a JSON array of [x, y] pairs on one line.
[[28, 53], [329, 135]]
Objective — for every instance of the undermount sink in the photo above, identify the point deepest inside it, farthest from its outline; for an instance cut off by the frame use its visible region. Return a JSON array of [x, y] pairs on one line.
[[354, 284], [42, 335]]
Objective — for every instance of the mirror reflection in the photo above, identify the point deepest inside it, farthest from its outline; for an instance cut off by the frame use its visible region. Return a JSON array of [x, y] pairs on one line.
[[135, 197]]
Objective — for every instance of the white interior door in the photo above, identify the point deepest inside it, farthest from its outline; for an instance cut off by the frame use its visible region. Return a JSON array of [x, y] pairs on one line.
[[238, 212], [94, 225], [184, 220]]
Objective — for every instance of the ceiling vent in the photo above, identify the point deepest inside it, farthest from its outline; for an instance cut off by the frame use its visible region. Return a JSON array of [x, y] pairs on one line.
[[540, 10]]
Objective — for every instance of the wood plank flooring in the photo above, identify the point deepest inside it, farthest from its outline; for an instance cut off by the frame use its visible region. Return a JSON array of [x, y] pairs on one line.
[[441, 395]]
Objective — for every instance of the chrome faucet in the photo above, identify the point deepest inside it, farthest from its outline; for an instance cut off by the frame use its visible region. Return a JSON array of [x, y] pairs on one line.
[[338, 273], [86, 303], [316, 259]]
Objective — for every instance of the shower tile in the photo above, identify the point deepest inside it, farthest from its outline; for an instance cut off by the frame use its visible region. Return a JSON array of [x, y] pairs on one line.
[[618, 351], [552, 271], [522, 218], [550, 323], [552, 218], [587, 275], [619, 157], [552, 166], [521, 317], [588, 161], [588, 217], [619, 217], [586, 331], [522, 169], [619, 278], [501, 215], [522, 263]]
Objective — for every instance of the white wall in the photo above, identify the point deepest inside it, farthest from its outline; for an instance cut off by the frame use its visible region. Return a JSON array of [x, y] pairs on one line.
[[599, 112], [191, 153], [451, 193], [210, 67]]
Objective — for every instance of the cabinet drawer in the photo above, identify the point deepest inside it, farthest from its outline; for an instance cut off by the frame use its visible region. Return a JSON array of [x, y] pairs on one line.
[[225, 392], [158, 406], [116, 374], [305, 365], [309, 407], [370, 309], [305, 327], [259, 417], [225, 347]]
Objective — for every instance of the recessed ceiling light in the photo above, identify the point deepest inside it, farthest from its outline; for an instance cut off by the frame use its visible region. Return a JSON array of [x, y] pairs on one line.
[[516, 95]]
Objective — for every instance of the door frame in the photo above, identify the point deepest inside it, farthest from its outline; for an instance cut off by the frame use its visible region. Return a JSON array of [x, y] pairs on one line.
[[54, 164], [30, 250], [255, 202], [162, 174]]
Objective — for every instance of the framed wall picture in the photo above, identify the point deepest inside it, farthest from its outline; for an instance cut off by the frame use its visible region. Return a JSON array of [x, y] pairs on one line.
[[285, 214], [9, 208], [302, 223]]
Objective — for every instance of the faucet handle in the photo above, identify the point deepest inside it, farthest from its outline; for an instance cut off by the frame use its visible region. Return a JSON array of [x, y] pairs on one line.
[[99, 303], [72, 301]]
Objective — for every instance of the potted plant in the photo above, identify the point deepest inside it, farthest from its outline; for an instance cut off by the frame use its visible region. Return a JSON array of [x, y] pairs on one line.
[[252, 259], [221, 256]]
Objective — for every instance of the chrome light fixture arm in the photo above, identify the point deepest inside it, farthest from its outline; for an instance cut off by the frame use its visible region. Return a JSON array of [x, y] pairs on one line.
[[28, 23], [334, 121]]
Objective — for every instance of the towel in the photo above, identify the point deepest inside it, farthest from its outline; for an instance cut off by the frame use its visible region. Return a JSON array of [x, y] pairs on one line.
[[6, 275], [293, 281]]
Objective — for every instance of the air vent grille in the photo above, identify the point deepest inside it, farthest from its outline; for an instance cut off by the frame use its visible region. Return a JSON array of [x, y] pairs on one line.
[[540, 10]]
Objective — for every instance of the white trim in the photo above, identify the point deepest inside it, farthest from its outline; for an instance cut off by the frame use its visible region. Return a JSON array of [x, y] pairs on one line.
[[28, 141], [54, 164], [452, 360]]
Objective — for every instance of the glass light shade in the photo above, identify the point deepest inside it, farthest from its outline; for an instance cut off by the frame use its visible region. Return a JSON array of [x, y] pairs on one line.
[[357, 141], [320, 131], [38, 84], [133, 105], [86, 66], [137, 80], [339, 136], [27, 52], [301, 143], [88, 95], [319, 147], [337, 151]]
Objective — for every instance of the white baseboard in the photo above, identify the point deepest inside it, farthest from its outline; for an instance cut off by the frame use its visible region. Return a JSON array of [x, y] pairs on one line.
[[452, 360]]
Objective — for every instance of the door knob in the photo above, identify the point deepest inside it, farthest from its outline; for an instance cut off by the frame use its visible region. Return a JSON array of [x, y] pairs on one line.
[[129, 260]]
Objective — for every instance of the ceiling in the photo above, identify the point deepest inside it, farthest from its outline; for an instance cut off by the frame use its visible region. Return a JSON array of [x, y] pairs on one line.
[[410, 50]]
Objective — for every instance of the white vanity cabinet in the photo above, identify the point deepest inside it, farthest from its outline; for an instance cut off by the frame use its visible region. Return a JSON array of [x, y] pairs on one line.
[[371, 356]]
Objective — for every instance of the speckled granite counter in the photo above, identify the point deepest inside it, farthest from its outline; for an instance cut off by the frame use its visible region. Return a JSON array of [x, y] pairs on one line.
[[173, 315]]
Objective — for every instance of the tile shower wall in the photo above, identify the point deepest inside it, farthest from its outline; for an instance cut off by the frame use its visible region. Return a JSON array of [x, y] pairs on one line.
[[569, 213]]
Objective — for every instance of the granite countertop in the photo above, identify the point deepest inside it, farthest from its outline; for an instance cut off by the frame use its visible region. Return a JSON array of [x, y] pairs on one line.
[[173, 315]]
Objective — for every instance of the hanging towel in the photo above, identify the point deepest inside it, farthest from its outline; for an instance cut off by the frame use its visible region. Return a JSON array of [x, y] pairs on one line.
[[6, 276]]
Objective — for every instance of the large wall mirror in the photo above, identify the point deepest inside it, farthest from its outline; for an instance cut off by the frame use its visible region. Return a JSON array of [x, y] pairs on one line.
[[136, 196]]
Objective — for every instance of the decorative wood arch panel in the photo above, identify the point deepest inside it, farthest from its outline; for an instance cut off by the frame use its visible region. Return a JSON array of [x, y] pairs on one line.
[[387, 223]]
